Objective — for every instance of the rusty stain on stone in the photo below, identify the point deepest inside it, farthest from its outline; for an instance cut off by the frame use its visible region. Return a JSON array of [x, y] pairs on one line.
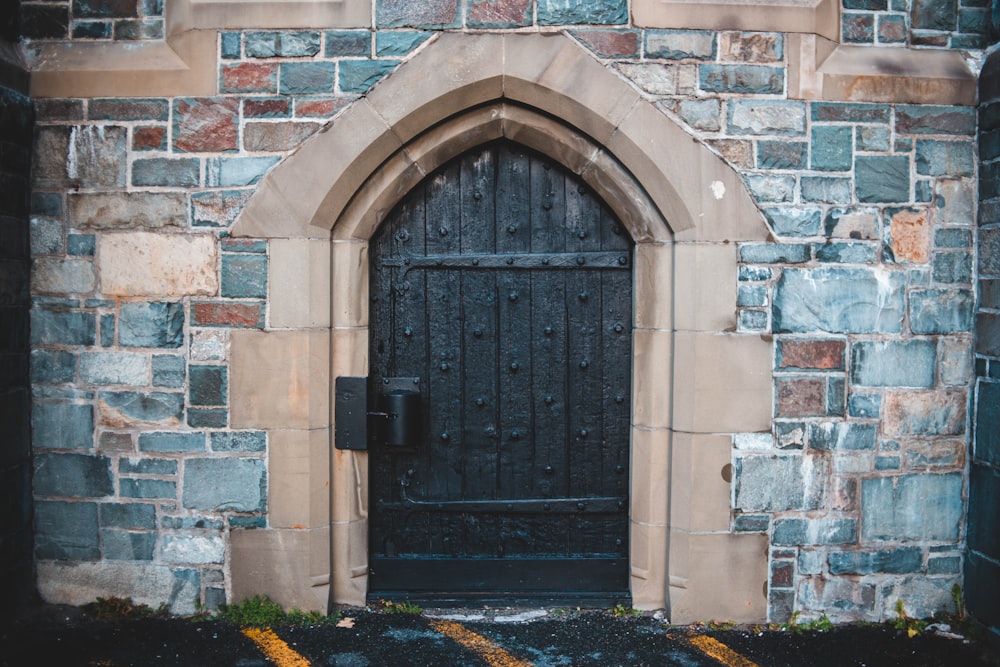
[[910, 236]]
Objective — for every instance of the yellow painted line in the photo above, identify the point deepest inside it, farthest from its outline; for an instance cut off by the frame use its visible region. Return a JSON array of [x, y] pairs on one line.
[[719, 651], [275, 648], [487, 650]]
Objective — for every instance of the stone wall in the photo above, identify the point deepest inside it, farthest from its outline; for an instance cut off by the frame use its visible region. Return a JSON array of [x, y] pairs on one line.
[[983, 560], [865, 293], [16, 118]]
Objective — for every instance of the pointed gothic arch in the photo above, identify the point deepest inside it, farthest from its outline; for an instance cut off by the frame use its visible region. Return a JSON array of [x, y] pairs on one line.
[[684, 207]]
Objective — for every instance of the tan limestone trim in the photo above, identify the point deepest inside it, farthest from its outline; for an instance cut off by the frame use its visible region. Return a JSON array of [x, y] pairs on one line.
[[819, 69], [547, 75], [185, 63], [818, 17]]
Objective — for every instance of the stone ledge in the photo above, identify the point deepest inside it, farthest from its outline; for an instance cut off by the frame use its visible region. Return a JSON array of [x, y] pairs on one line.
[[184, 64], [819, 69], [817, 17]]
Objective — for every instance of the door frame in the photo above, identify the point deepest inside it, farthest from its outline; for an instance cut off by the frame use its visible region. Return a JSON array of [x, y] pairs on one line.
[[648, 170]]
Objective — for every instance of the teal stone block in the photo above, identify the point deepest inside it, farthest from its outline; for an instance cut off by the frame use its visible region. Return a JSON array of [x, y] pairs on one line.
[[751, 295], [127, 545], [239, 441], [76, 475], [208, 417], [843, 436], [237, 171], [348, 43], [357, 76], [135, 516], [872, 138], [107, 330], [894, 363], [882, 178], [299, 44], [838, 300], [680, 44], [582, 12], [931, 119], [231, 45], [226, 484], [775, 253], [801, 532], [781, 154], [168, 441], [850, 112], [751, 523], [398, 43], [945, 158], [752, 320], [952, 267], [166, 172], [825, 189], [52, 366], [208, 385], [941, 311], [889, 561], [147, 488], [244, 276], [864, 406], [745, 79], [831, 147], [794, 221], [128, 466], [911, 507], [155, 406], [847, 252], [52, 327], [151, 324], [168, 370], [307, 78], [62, 425], [81, 245], [66, 531]]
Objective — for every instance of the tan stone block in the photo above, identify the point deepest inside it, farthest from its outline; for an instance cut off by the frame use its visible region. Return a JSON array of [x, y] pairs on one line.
[[699, 488], [299, 283], [627, 198], [350, 352], [280, 379], [349, 283], [722, 383], [148, 264], [557, 75], [376, 199], [651, 379], [78, 583], [701, 197], [705, 295], [305, 196], [348, 486], [528, 128], [349, 566], [651, 476], [654, 293], [127, 210], [184, 14], [278, 563], [466, 73], [727, 579], [648, 547], [62, 276], [298, 479]]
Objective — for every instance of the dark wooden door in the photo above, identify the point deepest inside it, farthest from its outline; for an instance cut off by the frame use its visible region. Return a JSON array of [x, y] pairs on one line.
[[505, 286]]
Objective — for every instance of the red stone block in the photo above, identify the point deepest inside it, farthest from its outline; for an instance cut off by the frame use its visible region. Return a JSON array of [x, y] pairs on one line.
[[782, 574], [321, 108], [802, 397], [812, 354], [610, 43], [149, 138], [271, 107], [499, 13], [218, 314], [206, 124], [249, 78]]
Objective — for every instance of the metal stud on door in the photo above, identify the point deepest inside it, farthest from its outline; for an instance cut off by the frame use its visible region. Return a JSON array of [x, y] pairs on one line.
[[506, 286]]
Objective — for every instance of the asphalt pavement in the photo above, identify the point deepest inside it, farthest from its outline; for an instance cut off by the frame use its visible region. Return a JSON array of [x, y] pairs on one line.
[[66, 636]]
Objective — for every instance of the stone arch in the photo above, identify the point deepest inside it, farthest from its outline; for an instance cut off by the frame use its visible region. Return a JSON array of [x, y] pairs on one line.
[[682, 204]]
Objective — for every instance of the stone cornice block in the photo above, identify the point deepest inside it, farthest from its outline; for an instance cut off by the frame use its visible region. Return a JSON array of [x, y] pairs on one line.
[[823, 70], [817, 17]]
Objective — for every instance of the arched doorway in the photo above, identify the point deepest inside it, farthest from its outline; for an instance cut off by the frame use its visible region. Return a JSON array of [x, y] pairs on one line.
[[503, 286]]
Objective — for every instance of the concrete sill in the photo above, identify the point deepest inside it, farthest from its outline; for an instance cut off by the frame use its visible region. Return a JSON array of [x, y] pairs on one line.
[[817, 17]]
